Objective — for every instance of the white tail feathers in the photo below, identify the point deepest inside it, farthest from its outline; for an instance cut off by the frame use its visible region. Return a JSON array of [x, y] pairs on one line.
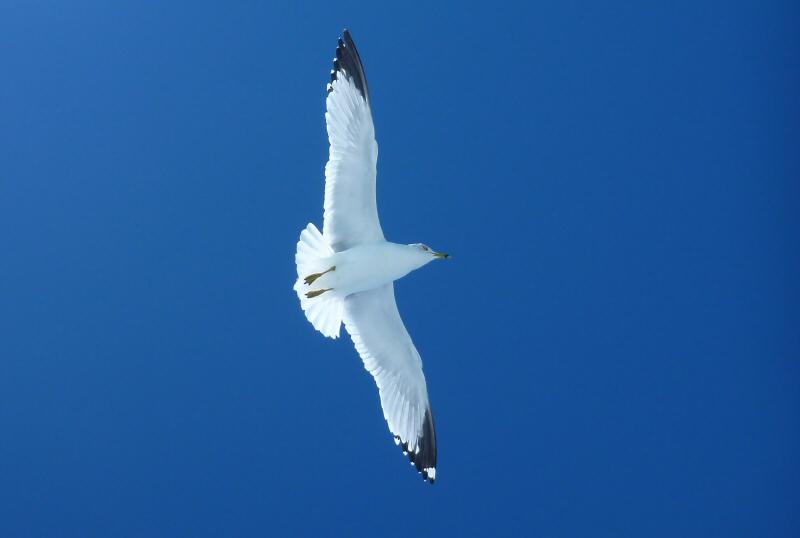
[[324, 311]]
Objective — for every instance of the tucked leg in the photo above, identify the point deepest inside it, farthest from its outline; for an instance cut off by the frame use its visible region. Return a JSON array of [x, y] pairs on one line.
[[311, 278], [317, 293]]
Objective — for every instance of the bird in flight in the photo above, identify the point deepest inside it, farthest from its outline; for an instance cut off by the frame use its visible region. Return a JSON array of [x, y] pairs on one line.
[[346, 273]]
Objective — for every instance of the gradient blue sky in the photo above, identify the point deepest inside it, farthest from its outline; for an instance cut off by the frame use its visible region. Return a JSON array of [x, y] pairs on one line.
[[613, 351]]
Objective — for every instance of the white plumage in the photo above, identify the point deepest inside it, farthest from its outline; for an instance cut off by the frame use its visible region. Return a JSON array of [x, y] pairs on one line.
[[345, 273]]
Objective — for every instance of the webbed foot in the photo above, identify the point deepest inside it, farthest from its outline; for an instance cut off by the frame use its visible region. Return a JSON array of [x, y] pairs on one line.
[[317, 293], [310, 279]]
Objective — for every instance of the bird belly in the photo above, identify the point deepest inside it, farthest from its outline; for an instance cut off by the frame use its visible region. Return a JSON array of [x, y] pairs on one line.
[[363, 268]]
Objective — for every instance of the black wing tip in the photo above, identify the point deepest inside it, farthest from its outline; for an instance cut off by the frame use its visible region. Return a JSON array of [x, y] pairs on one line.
[[349, 61], [424, 459]]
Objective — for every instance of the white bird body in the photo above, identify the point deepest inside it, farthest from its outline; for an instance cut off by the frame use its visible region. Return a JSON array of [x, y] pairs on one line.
[[345, 273], [365, 267]]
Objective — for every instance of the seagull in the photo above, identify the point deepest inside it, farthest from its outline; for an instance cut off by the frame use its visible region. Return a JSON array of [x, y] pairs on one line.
[[345, 274]]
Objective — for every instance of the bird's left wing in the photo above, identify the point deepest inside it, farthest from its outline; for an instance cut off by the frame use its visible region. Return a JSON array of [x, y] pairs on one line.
[[373, 321], [351, 211]]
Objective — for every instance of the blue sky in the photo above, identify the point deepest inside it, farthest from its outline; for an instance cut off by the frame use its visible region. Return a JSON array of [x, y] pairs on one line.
[[613, 350]]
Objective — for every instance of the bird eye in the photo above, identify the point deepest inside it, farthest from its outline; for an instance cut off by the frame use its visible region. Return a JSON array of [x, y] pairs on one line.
[[424, 247]]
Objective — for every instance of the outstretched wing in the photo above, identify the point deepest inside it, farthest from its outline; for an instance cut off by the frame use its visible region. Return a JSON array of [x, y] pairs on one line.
[[374, 324], [351, 211]]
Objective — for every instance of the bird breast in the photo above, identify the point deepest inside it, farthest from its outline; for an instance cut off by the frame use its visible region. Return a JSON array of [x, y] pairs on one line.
[[369, 266]]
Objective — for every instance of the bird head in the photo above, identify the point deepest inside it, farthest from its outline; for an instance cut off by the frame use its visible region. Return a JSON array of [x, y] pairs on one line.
[[428, 252]]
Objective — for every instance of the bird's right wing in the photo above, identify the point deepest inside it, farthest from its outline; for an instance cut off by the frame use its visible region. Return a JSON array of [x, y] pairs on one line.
[[351, 211], [373, 321]]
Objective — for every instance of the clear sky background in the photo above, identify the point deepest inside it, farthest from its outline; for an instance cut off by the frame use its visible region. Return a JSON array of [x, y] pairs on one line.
[[614, 349]]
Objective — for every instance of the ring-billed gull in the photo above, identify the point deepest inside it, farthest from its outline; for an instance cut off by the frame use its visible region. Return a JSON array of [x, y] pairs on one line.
[[346, 273]]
